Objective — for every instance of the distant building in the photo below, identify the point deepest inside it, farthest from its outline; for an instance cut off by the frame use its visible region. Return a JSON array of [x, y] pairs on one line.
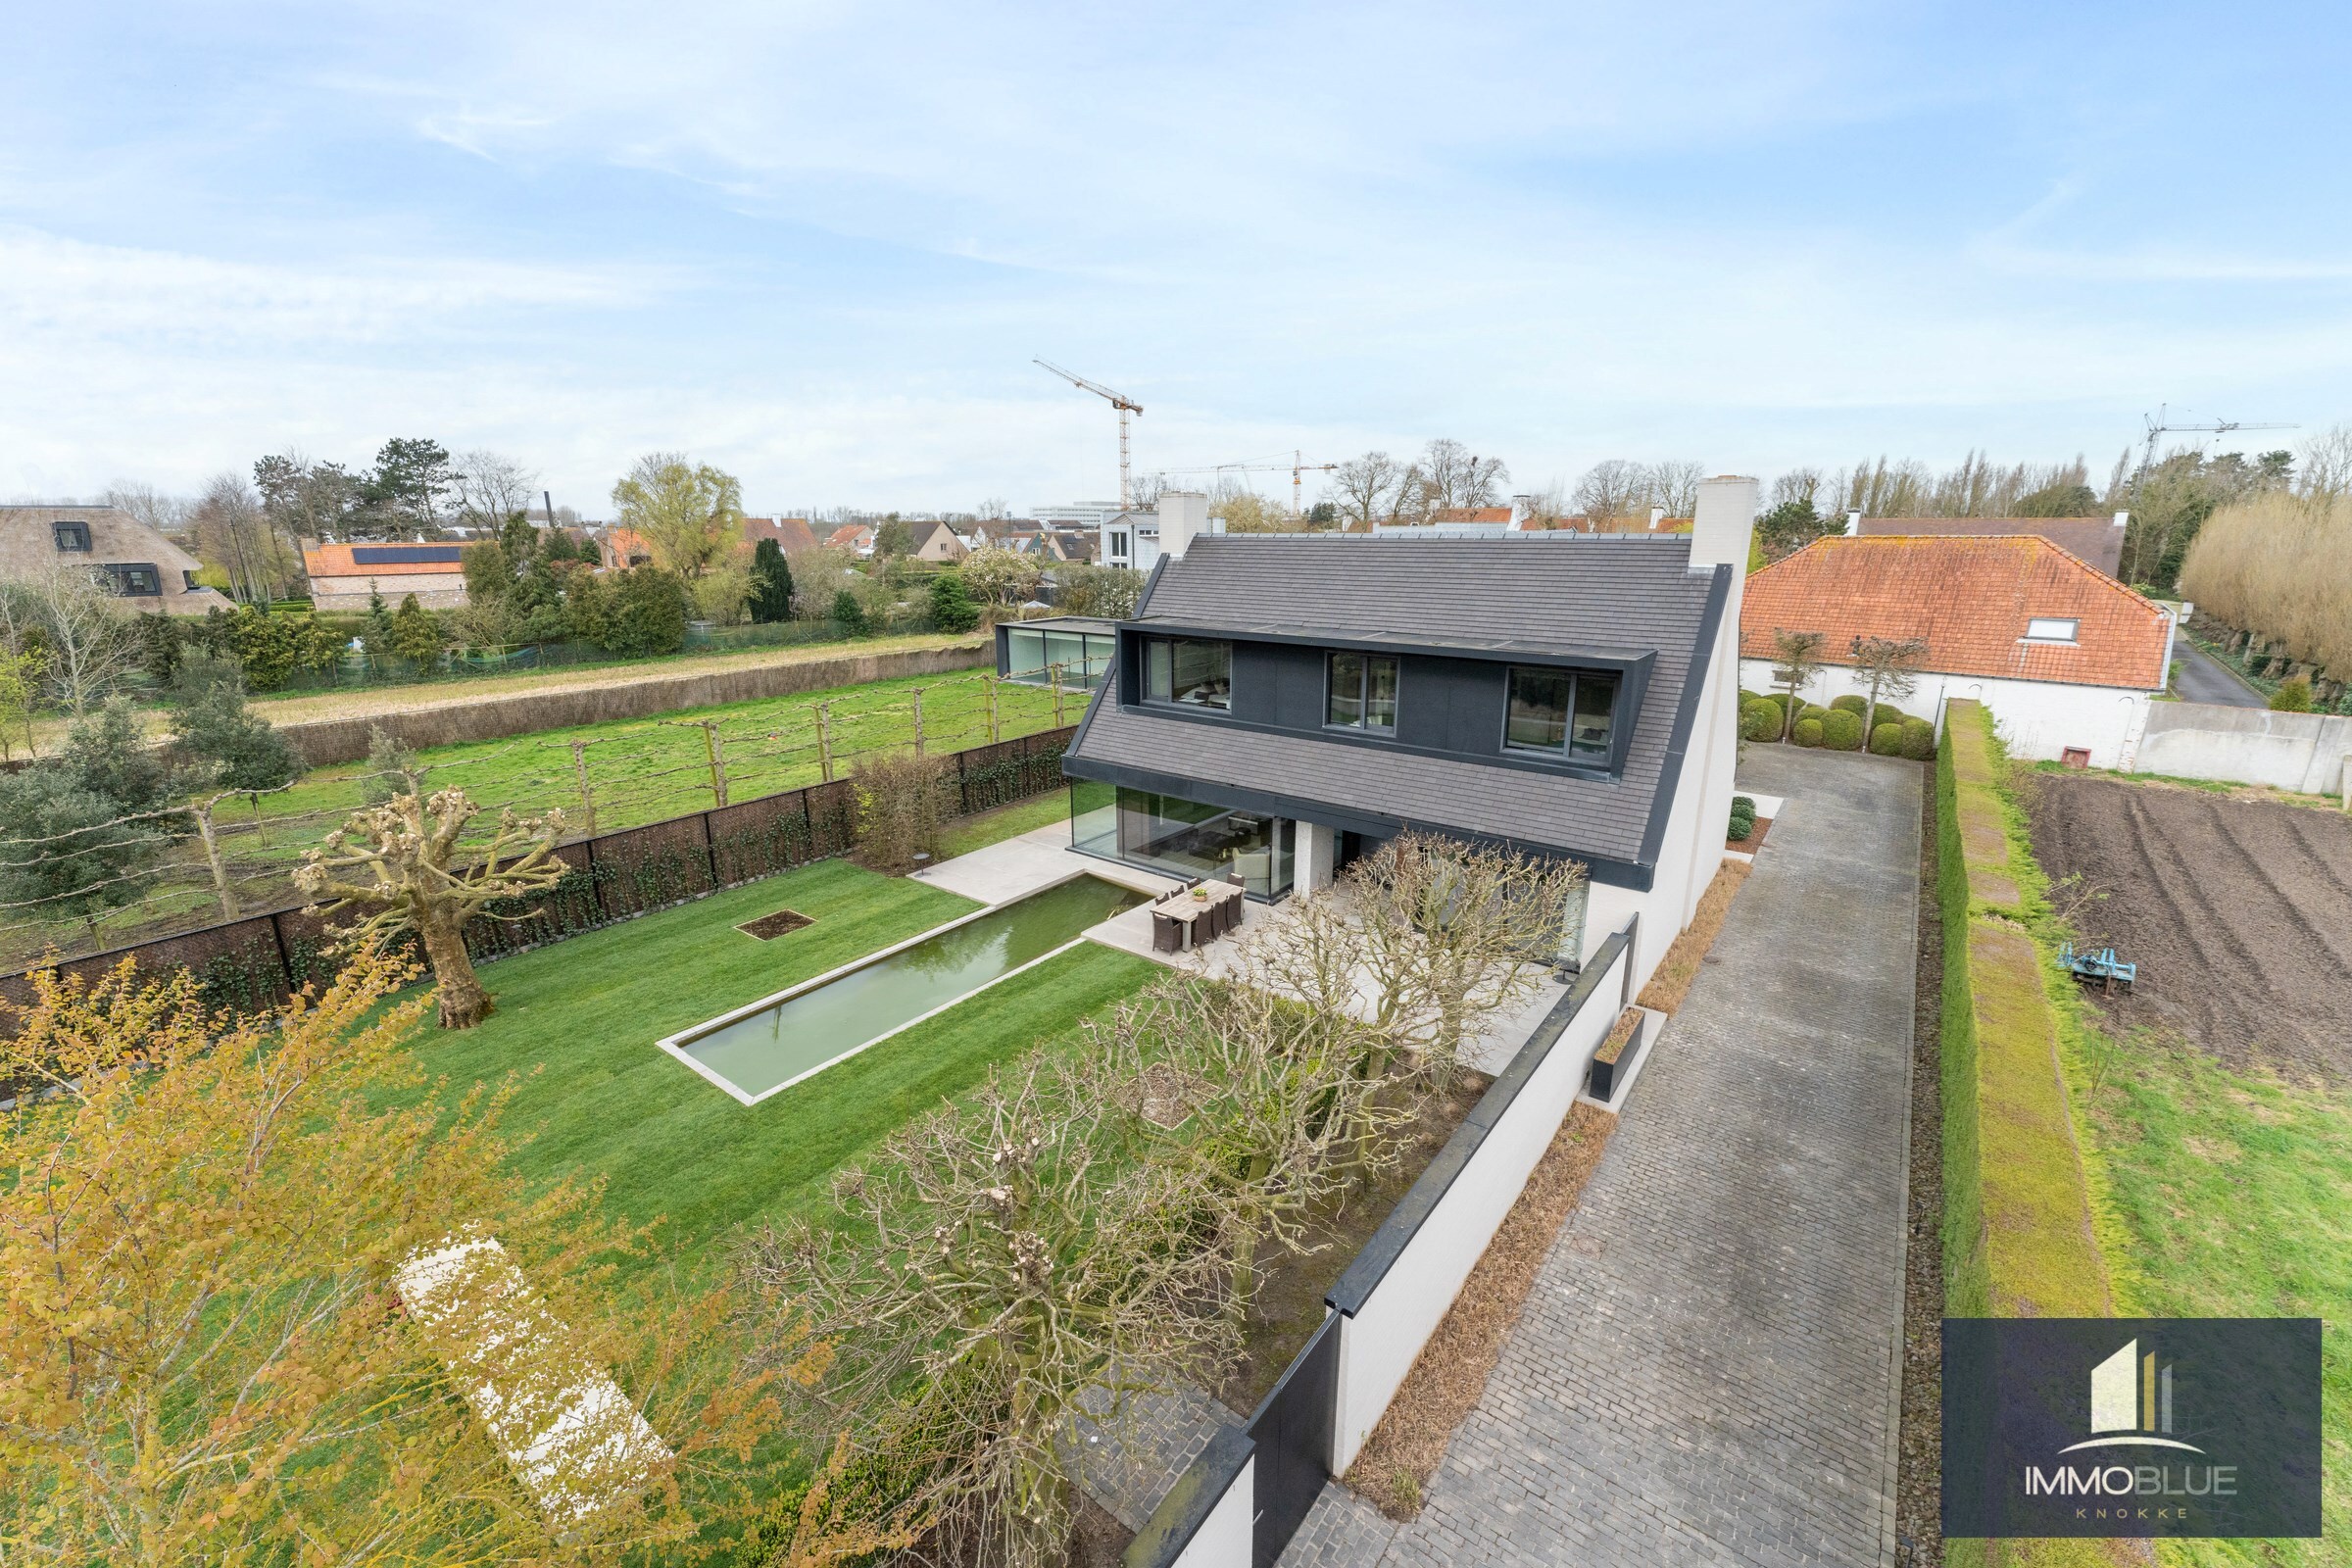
[[856, 537], [133, 561], [347, 576], [932, 540], [2096, 542], [622, 548], [1087, 515], [1131, 538], [792, 535]]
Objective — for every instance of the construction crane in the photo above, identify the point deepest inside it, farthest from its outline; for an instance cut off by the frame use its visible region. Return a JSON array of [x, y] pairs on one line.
[[1297, 469], [2160, 424], [1119, 401]]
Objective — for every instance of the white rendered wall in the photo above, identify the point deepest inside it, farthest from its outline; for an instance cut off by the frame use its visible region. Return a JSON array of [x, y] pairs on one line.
[[1378, 1344], [2300, 752], [1317, 850], [2036, 720], [1226, 1539]]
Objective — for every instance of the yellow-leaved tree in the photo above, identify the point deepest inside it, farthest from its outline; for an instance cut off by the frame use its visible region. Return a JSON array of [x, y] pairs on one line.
[[203, 1222]]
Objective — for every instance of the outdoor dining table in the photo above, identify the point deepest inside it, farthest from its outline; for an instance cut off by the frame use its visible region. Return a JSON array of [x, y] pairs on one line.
[[1190, 921]]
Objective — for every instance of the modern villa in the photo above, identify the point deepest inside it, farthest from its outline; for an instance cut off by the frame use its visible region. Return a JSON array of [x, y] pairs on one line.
[[1281, 702]]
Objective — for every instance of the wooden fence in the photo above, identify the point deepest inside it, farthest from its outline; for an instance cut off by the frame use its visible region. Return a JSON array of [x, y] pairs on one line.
[[258, 961]]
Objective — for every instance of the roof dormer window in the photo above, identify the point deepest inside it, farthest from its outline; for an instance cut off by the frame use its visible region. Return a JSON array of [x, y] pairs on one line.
[[2051, 629], [73, 538]]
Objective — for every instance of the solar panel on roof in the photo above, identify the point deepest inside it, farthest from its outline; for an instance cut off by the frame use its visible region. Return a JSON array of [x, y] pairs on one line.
[[404, 555]]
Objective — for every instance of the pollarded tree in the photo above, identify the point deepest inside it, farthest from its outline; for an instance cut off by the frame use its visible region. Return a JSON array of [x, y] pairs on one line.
[[1889, 668], [404, 861], [1796, 654], [989, 1278]]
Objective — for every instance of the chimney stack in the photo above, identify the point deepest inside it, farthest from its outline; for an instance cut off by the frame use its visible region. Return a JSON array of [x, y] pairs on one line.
[[1656, 515], [1853, 523], [2123, 520], [1183, 518], [1725, 519]]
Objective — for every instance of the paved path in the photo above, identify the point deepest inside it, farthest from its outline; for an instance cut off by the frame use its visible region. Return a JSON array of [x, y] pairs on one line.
[[1706, 1370], [2206, 679]]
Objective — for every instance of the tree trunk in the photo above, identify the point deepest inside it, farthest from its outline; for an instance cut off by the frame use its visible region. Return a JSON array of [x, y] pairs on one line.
[[463, 1001]]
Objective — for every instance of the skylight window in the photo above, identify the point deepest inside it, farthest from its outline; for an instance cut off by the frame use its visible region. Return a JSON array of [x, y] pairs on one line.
[[2050, 630]]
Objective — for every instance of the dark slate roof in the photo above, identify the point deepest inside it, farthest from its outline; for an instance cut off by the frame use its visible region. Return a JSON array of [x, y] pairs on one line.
[[1556, 592]]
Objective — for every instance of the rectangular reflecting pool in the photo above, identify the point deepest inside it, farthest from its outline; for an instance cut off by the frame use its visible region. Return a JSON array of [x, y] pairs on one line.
[[777, 1042]]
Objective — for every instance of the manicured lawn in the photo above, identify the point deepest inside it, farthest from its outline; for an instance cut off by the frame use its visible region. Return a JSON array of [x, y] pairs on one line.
[[2236, 1192], [1005, 822], [578, 1022]]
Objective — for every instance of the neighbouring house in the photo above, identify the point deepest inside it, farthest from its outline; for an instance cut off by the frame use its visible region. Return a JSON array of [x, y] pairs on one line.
[[933, 540], [347, 576], [1280, 704], [856, 537], [792, 535], [622, 548], [2096, 541], [132, 561], [1131, 538], [2065, 655], [1081, 646]]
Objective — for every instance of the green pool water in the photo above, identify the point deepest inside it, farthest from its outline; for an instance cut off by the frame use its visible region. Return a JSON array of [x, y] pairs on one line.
[[793, 1038]]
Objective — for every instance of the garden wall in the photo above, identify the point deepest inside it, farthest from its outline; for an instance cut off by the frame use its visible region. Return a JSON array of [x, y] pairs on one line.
[[2300, 752], [2018, 1236], [259, 960], [345, 740]]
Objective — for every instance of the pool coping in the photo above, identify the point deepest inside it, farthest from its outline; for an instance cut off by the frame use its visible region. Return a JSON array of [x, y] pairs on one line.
[[675, 1044]]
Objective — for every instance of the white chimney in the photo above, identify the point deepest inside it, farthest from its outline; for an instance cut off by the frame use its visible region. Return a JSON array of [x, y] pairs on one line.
[[1853, 523], [2123, 520], [1658, 515], [1183, 518], [1522, 507], [1723, 523]]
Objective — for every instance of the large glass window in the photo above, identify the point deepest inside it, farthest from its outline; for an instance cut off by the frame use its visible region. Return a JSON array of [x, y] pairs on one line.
[[1189, 673], [1562, 712], [1182, 838], [138, 579], [72, 537], [1030, 655], [1361, 693]]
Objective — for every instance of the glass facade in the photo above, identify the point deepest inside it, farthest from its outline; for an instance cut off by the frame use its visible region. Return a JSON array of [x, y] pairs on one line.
[[1182, 838], [1562, 713], [1031, 653]]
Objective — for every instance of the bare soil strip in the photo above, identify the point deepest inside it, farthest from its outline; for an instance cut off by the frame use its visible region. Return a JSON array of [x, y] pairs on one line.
[[1450, 1376], [2234, 910], [1671, 981]]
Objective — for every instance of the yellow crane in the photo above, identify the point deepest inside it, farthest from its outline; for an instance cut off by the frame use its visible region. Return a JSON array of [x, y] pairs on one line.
[[1298, 467], [1119, 401]]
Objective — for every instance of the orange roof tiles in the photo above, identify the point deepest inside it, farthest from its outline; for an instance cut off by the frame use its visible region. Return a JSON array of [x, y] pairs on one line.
[[1471, 514], [1970, 597], [387, 557]]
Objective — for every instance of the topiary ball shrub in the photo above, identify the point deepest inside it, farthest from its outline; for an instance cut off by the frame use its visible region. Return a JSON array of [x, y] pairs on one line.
[[1743, 820], [1886, 740], [1851, 704], [1919, 739], [1841, 731], [2292, 696], [1888, 714], [1808, 732], [1760, 721]]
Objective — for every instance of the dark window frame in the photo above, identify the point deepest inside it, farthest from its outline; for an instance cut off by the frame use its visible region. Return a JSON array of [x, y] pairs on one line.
[[1362, 724], [64, 528], [1567, 751], [135, 579], [1154, 698]]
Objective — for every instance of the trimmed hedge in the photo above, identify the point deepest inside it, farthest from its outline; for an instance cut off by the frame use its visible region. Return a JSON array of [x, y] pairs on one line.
[[1841, 731], [1760, 721], [1808, 732], [1856, 706], [1919, 739], [1886, 740], [1743, 818]]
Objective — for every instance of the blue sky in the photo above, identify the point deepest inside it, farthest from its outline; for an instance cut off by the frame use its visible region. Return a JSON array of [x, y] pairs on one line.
[[818, 244]]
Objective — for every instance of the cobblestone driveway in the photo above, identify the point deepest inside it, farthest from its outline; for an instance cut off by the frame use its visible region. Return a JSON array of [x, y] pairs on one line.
[[1704, 1372]]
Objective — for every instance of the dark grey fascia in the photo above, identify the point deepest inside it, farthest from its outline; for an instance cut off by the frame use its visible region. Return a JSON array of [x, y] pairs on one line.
[[1236, 798], [1493, 650]]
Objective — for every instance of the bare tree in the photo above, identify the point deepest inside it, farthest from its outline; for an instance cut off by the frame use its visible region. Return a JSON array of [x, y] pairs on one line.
[[235, 532], [1889, 668], [989, 1278], [87, 642], [2326, 465], [401, 858], [1798, 656], [164, 514], [1454, 476], [1364, 489], [1609, 490], [993, 510], [1673, 485], [1799, 486], [491, 488]]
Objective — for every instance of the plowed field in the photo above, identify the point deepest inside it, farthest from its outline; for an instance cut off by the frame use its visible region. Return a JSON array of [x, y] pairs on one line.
[[2238, 912]]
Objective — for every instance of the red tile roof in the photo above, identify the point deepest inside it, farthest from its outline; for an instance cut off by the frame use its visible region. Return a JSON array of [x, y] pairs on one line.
[[389, 557], [790, 534], [1471, 514], [1969, 597], [850, 535], [2096, 540]]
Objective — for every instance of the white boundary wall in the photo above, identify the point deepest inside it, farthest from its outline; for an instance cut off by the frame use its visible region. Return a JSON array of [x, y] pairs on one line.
[[2300, 752], [1380, 1342], [2036, 720], [1226, 1539]]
